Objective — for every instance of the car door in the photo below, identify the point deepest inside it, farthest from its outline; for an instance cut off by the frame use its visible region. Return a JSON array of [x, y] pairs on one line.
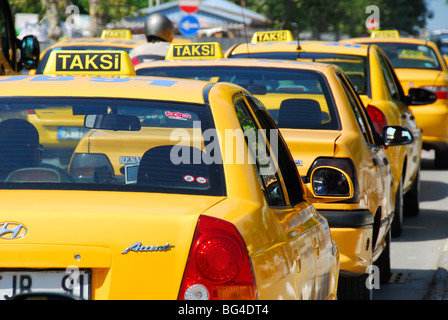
[[309, 246], [8, 64], [408, 120], [296, 250], [379, 158]]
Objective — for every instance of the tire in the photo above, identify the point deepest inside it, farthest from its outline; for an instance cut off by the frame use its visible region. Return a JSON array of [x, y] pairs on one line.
[[441, 158], [354, 288], [383, 261], [397, 223], [411, 205]]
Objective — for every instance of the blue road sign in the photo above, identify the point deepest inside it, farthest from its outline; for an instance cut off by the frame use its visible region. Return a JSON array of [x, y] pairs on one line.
[[189, 26]]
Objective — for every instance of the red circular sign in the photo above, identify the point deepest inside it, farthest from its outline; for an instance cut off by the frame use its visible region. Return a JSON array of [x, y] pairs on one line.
[[189, 6]]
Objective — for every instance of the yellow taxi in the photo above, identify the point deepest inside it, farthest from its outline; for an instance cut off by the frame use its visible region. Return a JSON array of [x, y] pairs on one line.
[[324, 124], [374, 78], [110, 40], [15, 54], [214, 208], [419, 64]]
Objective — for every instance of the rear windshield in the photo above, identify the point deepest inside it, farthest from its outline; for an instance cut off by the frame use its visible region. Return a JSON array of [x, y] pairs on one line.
[[355, 67], [411, 56], [106, 144], [296, 99]]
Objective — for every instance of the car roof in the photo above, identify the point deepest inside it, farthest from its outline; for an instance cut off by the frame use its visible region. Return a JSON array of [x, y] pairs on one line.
[[154, 88], [292, 46], [92, 41], [387, 40], [266, 63]]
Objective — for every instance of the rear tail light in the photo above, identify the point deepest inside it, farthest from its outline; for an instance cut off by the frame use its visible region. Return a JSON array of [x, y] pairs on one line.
[[218, 265], [440, 91], [330, 182], [378, 118], [344, 164]]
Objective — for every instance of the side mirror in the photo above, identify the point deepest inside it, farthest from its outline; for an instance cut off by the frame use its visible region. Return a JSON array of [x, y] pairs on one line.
[[445, 58], [420, 96], [29, 52], [397, 136], [329, 184]]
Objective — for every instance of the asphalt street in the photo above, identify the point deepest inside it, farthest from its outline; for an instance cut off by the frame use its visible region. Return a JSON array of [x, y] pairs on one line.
[[419, 257]]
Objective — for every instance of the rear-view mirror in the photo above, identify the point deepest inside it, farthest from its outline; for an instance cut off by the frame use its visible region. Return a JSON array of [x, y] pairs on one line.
[[112, 122]]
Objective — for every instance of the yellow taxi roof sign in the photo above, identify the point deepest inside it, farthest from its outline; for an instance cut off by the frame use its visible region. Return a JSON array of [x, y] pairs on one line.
[[116, 34], [385, 34], [201, 50], [89, 62], [272, 36]]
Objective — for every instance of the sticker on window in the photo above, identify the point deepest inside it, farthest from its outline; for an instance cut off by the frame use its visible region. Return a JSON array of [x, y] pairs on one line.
[[201, 180], [177, 115]]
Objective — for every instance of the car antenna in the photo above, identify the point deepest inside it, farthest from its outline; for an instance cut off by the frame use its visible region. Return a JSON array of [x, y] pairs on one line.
[[298, 40], [245, 28], [299, 48]]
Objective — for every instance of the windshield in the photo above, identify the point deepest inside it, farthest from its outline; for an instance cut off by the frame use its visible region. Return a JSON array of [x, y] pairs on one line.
[[411, 56], [43, 61], [442, 42], [297, 99], [355, 67], [106, 144]]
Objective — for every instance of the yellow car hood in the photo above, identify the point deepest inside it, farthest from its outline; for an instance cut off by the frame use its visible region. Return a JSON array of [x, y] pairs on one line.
[[101, 231], [307, 145], [418, 78]]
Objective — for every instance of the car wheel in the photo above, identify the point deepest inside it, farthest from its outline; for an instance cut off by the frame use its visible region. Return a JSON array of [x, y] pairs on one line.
[[411, 205], [397, 223], [354, 288]]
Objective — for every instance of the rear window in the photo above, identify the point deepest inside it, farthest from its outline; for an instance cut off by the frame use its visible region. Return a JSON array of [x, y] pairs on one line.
[[296, 99], [107, 144], [355, 67], [411, 56]]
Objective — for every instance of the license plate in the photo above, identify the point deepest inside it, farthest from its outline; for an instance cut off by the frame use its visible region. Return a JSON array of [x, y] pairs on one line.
[[17, 282], [71, 133]]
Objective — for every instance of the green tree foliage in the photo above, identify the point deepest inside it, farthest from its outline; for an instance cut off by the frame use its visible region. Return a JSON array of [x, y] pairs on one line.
[[340, 17], [406, 15], [318, 16], [108, 10]]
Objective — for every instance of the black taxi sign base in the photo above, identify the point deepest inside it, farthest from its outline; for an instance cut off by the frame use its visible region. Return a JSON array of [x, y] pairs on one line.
[[204, 50], [95, 62], [116, 34], [272, 36]]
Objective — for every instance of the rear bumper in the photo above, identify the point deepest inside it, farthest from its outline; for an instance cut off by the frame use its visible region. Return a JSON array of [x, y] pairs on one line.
[[432, 119], [352, 231], [350, 219]]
